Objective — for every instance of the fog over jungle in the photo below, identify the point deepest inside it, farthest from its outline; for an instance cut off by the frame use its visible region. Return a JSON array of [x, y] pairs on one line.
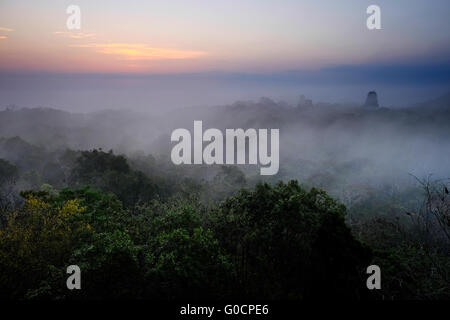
[[331, 144], [224, 157]]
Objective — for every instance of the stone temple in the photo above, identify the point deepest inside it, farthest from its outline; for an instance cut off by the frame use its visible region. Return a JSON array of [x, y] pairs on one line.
[[372, 100]]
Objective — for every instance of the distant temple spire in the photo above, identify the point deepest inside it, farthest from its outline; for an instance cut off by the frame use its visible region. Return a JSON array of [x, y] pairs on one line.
[[372, 100]]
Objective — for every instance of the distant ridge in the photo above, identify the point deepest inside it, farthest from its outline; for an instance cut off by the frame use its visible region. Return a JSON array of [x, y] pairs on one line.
[[439, 103]]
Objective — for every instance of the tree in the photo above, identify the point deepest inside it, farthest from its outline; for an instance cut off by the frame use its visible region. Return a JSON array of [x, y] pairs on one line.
[[111, 173], [35, 239], [8, 179], [184, 258], [287, 242]]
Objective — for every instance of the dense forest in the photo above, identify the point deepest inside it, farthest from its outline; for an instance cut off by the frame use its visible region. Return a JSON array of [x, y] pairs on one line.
[[355, 188]]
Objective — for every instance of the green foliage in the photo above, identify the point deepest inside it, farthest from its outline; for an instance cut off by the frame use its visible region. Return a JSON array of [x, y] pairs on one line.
[[112, 173], [8, 178], [169, 256], [7, 171], [185, 256], [141, 229], [413, 272], [287, 242], [36, 238]]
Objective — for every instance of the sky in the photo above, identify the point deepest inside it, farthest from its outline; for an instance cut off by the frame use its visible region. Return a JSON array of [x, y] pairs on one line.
[[202, 52], [177, 36]]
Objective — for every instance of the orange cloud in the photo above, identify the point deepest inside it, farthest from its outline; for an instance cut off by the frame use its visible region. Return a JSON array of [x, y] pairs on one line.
[[138, 51], [75, 35], [6, 30]]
